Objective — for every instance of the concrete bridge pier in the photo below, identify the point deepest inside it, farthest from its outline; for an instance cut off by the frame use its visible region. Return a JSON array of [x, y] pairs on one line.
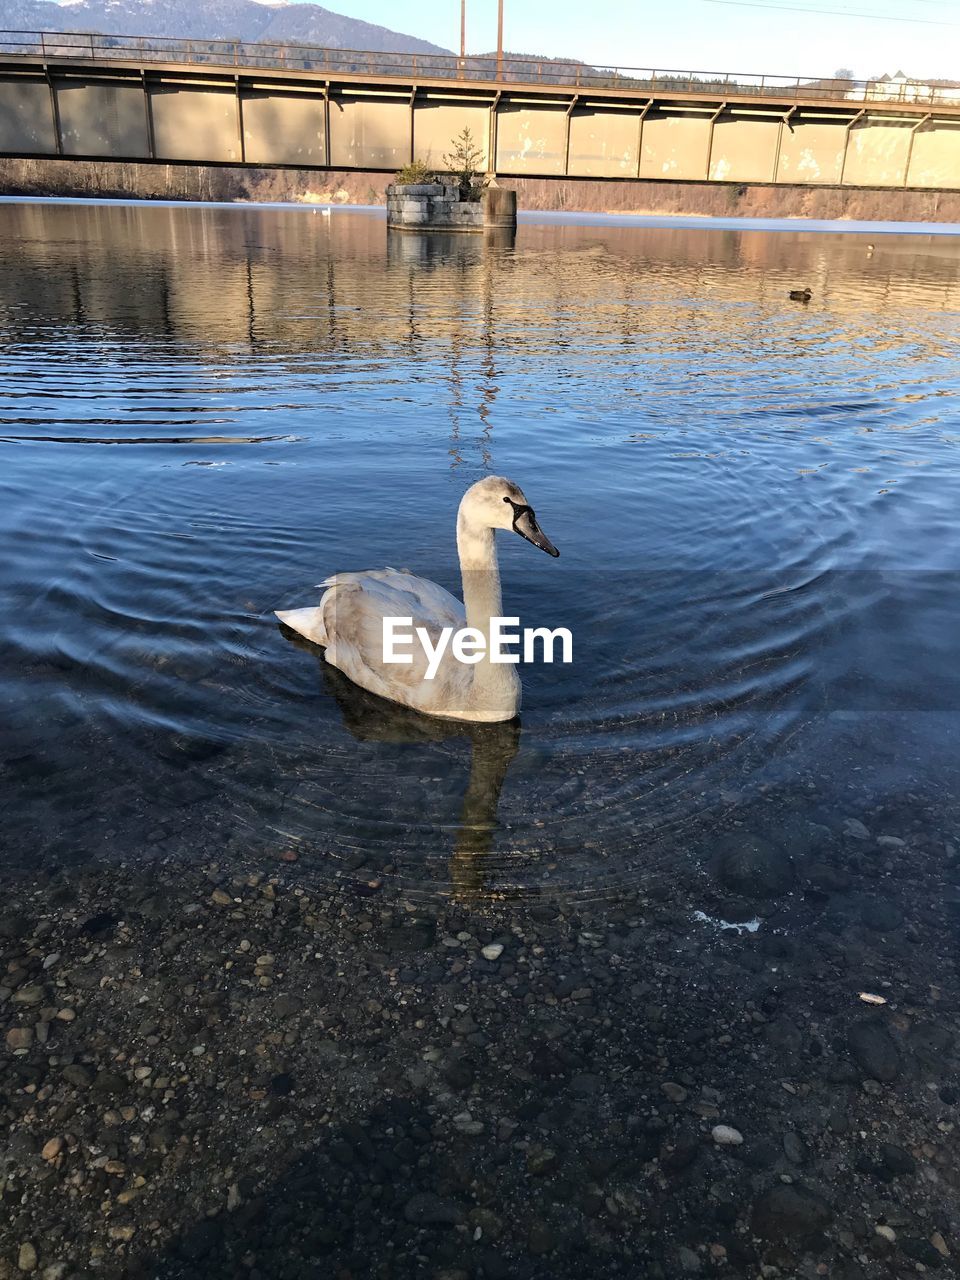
[[437, 206]]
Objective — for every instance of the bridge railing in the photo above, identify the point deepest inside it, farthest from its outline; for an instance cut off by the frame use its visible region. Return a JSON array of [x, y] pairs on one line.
[[566, 74]]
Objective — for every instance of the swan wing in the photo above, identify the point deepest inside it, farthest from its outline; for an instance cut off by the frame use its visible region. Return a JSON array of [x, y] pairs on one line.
[[353, 609], [426, 596]]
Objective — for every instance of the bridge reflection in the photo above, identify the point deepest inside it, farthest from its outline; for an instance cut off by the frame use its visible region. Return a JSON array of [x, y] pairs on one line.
[[233, 301], [295, 289], [232, 274]]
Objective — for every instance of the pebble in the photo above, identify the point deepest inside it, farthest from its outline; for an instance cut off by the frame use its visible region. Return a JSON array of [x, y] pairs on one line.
[[78, 1075], [27, 1257], [541, 1160], [724, 1135], [52, 1148], [888, 1233], [492, 951], [19, 1038], [793, 1148], [855, 828], [28, 995], [675, 1092], [689, 1261], [940, 1244]]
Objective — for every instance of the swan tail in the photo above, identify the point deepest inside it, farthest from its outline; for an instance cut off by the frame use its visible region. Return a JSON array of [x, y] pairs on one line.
[[306, 622]]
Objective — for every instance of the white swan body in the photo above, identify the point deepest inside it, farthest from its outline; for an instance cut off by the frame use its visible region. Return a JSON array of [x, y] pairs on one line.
[[348, 621]]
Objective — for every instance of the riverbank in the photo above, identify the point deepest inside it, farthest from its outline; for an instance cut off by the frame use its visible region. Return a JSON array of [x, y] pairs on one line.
[[233, 1071], [112, 180]]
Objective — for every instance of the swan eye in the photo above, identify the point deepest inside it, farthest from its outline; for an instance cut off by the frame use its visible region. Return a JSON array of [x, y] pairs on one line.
[[506, 499]]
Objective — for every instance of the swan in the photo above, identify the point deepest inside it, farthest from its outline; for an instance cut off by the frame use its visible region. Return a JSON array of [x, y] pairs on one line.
[[348, 621]]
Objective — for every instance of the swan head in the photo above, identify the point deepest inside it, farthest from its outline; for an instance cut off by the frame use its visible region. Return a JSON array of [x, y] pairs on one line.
[[496, 503]]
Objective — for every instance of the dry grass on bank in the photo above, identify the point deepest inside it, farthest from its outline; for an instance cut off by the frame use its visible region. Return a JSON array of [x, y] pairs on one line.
[[109, 179]]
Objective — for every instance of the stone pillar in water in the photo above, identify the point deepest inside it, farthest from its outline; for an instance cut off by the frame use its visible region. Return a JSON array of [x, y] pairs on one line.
[[436, 206], [499, 209]]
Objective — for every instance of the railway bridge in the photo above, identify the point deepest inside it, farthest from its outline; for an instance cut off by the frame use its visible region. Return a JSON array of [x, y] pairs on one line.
[[88, 96]]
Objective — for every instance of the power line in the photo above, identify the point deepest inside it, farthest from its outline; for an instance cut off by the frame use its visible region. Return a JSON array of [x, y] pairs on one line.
[[832, 13]]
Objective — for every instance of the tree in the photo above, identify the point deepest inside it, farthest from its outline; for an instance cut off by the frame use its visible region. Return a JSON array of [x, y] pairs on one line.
[[416, 172], [843, 73], [463, 162]]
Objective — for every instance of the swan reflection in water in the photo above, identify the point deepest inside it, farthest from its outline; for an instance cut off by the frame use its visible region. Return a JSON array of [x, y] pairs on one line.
[[493, 746]]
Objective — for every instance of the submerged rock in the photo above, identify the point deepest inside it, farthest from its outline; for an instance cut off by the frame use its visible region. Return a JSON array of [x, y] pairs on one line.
[[754, 867], [921, 1250], [881, 916], [854, 827], [790, 1210], [933, 1045], [426, 1209], [724, 1135], [872, 1049], [896, 1161], [27, 1257]]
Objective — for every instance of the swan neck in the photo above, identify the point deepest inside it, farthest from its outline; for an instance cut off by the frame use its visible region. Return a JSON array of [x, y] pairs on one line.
[[495, 692], [480, 573]]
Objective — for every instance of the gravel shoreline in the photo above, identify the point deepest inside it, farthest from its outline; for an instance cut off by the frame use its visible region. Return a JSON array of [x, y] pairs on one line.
[[227, 1071]]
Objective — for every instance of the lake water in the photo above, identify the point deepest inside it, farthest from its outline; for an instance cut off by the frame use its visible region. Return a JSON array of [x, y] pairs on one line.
[[204, 411]]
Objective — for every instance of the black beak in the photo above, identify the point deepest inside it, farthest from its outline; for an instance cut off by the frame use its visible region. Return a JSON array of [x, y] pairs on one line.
[[525, 523]]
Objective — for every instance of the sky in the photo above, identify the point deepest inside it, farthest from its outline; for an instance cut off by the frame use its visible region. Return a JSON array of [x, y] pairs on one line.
[[780, 37]]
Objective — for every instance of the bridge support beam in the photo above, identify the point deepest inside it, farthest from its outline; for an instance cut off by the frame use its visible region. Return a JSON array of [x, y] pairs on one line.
[[55, 113], [713, 121], [913, 133], [846, 143]]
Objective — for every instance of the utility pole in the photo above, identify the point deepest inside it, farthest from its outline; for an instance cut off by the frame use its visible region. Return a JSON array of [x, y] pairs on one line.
[[499, 39], [463, 30]]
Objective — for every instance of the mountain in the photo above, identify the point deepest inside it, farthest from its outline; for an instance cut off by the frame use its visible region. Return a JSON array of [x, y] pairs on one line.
[[211, 20]]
